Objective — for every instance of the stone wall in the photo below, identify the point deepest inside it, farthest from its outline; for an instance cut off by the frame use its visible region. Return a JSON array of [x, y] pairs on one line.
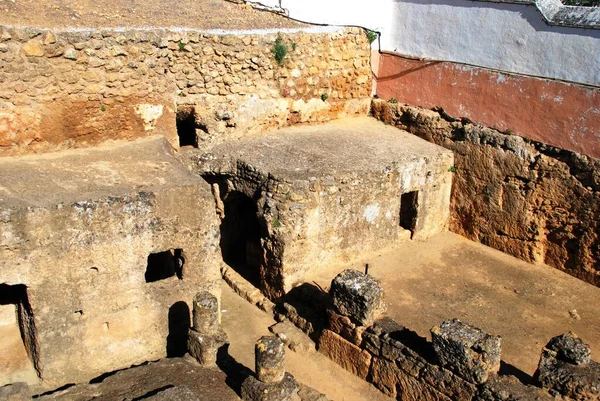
[[79, 88], [531, 200], [462, 362]]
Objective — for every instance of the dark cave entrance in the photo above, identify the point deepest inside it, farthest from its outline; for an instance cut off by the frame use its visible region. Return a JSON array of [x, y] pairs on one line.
[[241, 233], [408, 211], [186, 127]]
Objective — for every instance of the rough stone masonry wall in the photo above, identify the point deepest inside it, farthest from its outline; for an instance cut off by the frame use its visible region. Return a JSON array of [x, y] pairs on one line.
[[78, 88], [461, 362], [536, 202]]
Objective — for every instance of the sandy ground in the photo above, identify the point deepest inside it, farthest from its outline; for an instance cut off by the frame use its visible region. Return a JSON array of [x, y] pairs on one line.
[[449, 277], [200, 14], [244, 324]]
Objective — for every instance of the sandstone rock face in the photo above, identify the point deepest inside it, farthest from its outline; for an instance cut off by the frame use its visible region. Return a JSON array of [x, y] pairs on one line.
[[345, 354], [522, 197], [88, 235], [310, 201], [67, 89]]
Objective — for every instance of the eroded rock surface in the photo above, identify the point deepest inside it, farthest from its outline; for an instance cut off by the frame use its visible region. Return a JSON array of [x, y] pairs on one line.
[[525, 198]]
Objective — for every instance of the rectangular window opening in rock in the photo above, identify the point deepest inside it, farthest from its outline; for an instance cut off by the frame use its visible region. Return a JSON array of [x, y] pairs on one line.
[[187, 126], [18, 350], [408, 211], [162, 265], [241, 233]]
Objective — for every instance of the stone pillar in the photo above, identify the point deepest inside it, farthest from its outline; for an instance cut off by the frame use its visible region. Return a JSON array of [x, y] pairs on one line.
[[271, 382], [206, 336], [269, 355], [205, 312], [469, 352]]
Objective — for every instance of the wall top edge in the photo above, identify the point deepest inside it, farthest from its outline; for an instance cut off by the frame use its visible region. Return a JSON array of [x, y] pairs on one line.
[[175, 29], [556, 13]]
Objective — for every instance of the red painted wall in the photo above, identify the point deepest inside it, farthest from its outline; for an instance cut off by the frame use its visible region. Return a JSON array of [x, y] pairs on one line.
[[553, 112]]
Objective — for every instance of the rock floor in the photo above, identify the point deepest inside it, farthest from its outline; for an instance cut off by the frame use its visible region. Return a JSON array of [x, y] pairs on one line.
[[449, 277]]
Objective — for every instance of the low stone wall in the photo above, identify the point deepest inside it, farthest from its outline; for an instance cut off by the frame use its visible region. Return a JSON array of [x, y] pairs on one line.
[[531, 200], [461, 363], [79, 88]]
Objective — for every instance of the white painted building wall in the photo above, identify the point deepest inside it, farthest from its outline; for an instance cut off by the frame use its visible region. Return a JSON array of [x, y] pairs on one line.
[[503, 36]]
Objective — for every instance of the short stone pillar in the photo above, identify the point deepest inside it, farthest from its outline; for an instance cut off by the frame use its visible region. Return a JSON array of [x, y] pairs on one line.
[[206, 336], [358, 296], [358, 301], [271, 383], [565, 367], [205, 312], [269, 359], [466, 350]]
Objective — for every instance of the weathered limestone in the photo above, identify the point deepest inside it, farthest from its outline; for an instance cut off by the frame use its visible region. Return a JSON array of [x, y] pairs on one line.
[[312, 201], [255, 390], [206, 337], [358, 296], [466, 350], [81, 231], [271, 383], [565, 367]]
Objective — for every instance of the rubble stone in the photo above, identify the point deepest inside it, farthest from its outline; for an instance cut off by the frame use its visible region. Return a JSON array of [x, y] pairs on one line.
[[358, 296], [560, 369], [508, 388], [204, 347], [570, 348], [269, 358], [470, 352]]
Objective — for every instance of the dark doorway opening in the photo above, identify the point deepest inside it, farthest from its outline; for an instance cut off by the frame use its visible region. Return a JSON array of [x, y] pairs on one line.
[[186, 127], [241, 233], [23, 325], [408, 211], [165, 264], [179, 324]]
